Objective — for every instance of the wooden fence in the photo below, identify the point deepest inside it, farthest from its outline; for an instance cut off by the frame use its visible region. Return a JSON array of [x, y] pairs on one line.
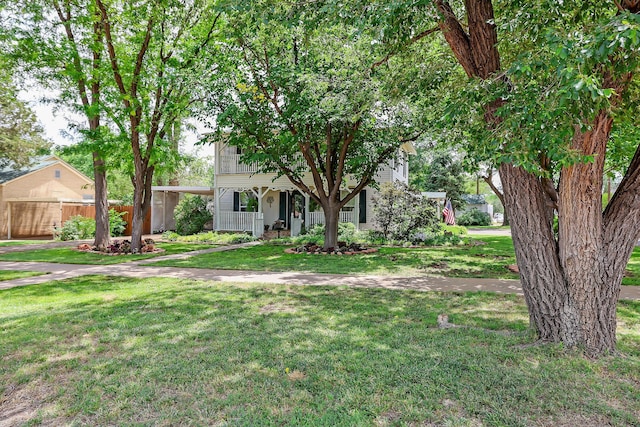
[[89, 211]]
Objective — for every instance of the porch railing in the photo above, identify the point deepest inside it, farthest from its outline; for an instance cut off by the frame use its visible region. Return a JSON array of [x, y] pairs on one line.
[[318, 217], [242, 221]]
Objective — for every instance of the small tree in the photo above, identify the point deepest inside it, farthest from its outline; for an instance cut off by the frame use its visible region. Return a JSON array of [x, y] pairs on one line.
[[400, 211]]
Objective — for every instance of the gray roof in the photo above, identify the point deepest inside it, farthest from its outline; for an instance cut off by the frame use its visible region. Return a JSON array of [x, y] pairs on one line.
[[8, 173], [474, 199]]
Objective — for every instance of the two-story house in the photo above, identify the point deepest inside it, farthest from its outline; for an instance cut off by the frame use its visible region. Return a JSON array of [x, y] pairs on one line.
[[245, 200]]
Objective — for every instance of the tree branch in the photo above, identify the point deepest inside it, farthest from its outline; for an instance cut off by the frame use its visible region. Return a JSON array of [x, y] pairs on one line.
[[412, 40]]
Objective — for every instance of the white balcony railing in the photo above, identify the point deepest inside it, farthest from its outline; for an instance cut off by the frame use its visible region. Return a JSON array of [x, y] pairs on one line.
[[231, 164], [318, 217]]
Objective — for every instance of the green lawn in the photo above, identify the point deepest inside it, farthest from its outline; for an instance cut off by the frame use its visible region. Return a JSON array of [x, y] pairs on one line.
[[116, 351], [22, 242], [13, 274], [73, 256], [487, 256]]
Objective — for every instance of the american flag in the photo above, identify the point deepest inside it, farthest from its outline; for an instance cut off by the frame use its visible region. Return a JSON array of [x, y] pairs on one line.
[[447, 212]]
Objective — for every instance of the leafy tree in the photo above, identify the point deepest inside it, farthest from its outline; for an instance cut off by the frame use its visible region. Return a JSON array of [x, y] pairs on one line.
[[80, 156], [153, 48], [439, 171], [308, 99], [20, 134], [128, 68], [57, 42], [400, 211], [547, 83]]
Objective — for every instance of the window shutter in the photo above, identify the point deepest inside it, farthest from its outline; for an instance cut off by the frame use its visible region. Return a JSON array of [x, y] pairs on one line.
[[236, 201], [363, 207]]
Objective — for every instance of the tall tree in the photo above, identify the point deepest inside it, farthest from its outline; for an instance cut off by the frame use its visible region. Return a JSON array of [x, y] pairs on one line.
[[309, 101], [20, 134], [547, 117], [153, 49], [58, 44]]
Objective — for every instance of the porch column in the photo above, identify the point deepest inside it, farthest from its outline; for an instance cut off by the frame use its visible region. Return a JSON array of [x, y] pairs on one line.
[[217, 207], [164, 210], [307, 199]]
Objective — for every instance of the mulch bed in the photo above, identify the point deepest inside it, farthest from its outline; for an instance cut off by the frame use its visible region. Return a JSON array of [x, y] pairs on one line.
[[342, 249], [121, 247]]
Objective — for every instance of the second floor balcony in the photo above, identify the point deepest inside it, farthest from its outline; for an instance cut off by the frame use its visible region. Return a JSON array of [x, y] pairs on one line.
[[231, 164]]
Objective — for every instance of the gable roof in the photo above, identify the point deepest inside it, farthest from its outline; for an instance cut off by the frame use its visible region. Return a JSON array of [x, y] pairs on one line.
[[8, 173]]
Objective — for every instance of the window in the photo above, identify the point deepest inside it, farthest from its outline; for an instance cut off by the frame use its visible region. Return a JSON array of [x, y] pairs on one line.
[[57, 173], [245, 202]]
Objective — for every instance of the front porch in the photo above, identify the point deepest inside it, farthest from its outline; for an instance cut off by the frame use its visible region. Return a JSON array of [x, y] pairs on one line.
[[259, 209]]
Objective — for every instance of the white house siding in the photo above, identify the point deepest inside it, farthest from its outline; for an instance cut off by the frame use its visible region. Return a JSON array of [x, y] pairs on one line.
[[226, 201], [395, 170]]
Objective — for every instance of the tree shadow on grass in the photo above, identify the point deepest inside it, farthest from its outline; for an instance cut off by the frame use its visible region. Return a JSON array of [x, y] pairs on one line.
[[179, 351]]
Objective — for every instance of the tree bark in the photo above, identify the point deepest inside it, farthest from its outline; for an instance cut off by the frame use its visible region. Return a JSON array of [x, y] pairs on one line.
[[102, 204], [142, 181], [571, 282], [331, 218]]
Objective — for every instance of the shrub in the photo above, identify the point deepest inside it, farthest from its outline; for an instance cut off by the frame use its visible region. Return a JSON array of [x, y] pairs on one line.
[[117, 224], [209, 237], [346, 233], [191, 215], [78, 227], [474, 217], [400, 211], [439, 238]]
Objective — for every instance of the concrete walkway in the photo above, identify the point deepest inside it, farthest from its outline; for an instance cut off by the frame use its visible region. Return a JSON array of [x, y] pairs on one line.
[[138, 269]]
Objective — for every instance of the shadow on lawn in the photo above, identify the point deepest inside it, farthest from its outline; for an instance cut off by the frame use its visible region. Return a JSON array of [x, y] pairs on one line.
[[178, 351]]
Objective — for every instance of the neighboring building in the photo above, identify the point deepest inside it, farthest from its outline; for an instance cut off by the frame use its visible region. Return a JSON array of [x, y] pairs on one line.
[[244, 200], [32, 199], [475, 201]]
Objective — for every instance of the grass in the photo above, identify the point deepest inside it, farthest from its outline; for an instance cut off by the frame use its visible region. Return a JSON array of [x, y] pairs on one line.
[[14, 274], [73, 256], [632, 276], [114, 351], [22, 242], [487, 257]]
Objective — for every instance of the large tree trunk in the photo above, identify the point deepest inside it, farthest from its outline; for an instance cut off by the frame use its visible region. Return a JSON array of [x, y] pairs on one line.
[[536, 250], [141, 201], [572, 283], [102, 204], [331, 220]]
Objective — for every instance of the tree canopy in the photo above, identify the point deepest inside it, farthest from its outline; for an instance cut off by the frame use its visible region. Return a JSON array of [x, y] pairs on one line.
[[302, 98], [20, 133]]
